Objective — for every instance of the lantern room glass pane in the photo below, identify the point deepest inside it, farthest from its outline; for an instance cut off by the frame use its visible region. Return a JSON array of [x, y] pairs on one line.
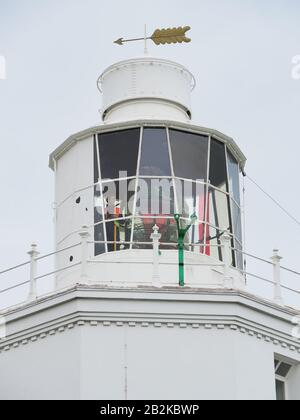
[[191, 198], [143, 230], [213, 243], [236, 221], [119, 153], [155, 196], [155, 204], [117, 231], [99, 236], [218, 210], [98, 204], [189, 153], [239, 255], [118, 198], [96, 165], [217, 168], [155, 159], [197, 236], [234, 177], [204, 237]]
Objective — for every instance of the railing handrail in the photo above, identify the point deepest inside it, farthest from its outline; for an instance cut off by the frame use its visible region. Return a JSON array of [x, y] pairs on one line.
[[14, 267], [208, 264], [252, 256], [150, 243], [290, 270], [155, 243], [50, 254], [59, 270], [266, 261], [15, 286]]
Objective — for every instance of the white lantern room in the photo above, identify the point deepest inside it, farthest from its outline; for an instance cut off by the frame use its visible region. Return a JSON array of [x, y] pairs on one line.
[[144, 164]]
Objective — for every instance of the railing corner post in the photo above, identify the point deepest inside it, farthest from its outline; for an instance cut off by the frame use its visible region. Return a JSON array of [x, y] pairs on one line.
[[33, 253], [276, 258]]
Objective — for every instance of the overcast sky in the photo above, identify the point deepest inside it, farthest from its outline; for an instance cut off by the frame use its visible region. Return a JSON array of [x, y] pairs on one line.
[[241, 55]]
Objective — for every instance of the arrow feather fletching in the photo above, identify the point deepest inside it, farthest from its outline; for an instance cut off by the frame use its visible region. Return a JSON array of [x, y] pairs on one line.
[[170, 35]]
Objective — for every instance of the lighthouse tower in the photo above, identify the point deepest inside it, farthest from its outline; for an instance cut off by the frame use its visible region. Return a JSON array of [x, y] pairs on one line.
[[150, 300]]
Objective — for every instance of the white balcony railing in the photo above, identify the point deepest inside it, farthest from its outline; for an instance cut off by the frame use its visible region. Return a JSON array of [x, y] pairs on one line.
[[278, 289]]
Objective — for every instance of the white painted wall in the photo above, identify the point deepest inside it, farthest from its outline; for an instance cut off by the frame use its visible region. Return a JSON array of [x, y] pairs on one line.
[[74, 169], [42, 369], [254, 364], [176, 363], [74, 178], [162, 363], [175, 345], [147, 109]]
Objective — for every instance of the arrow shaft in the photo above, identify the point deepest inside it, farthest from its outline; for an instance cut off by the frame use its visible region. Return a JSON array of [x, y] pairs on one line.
[[143, 39], [135, 39]]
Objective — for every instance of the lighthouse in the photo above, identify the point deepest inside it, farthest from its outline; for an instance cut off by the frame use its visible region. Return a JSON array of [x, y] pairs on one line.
[[150, 297]]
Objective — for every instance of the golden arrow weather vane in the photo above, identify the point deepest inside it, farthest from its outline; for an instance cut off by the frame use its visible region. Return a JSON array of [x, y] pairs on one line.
[[162, 36]]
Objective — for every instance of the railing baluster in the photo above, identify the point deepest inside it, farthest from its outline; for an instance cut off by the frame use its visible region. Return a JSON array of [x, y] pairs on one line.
[[33, 253], [276, 277], [155, 236], [226, 242], [84, 235]]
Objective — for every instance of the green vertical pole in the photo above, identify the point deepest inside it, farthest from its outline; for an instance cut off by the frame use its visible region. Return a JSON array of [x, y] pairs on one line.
[[181, 261], [180, 241]]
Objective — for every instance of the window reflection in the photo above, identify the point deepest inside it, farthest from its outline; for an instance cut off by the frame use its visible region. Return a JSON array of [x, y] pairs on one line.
[[189, 153], [155, 158]]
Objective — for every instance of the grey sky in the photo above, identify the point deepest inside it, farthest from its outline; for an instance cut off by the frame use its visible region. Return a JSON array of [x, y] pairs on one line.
[[241, 56]]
